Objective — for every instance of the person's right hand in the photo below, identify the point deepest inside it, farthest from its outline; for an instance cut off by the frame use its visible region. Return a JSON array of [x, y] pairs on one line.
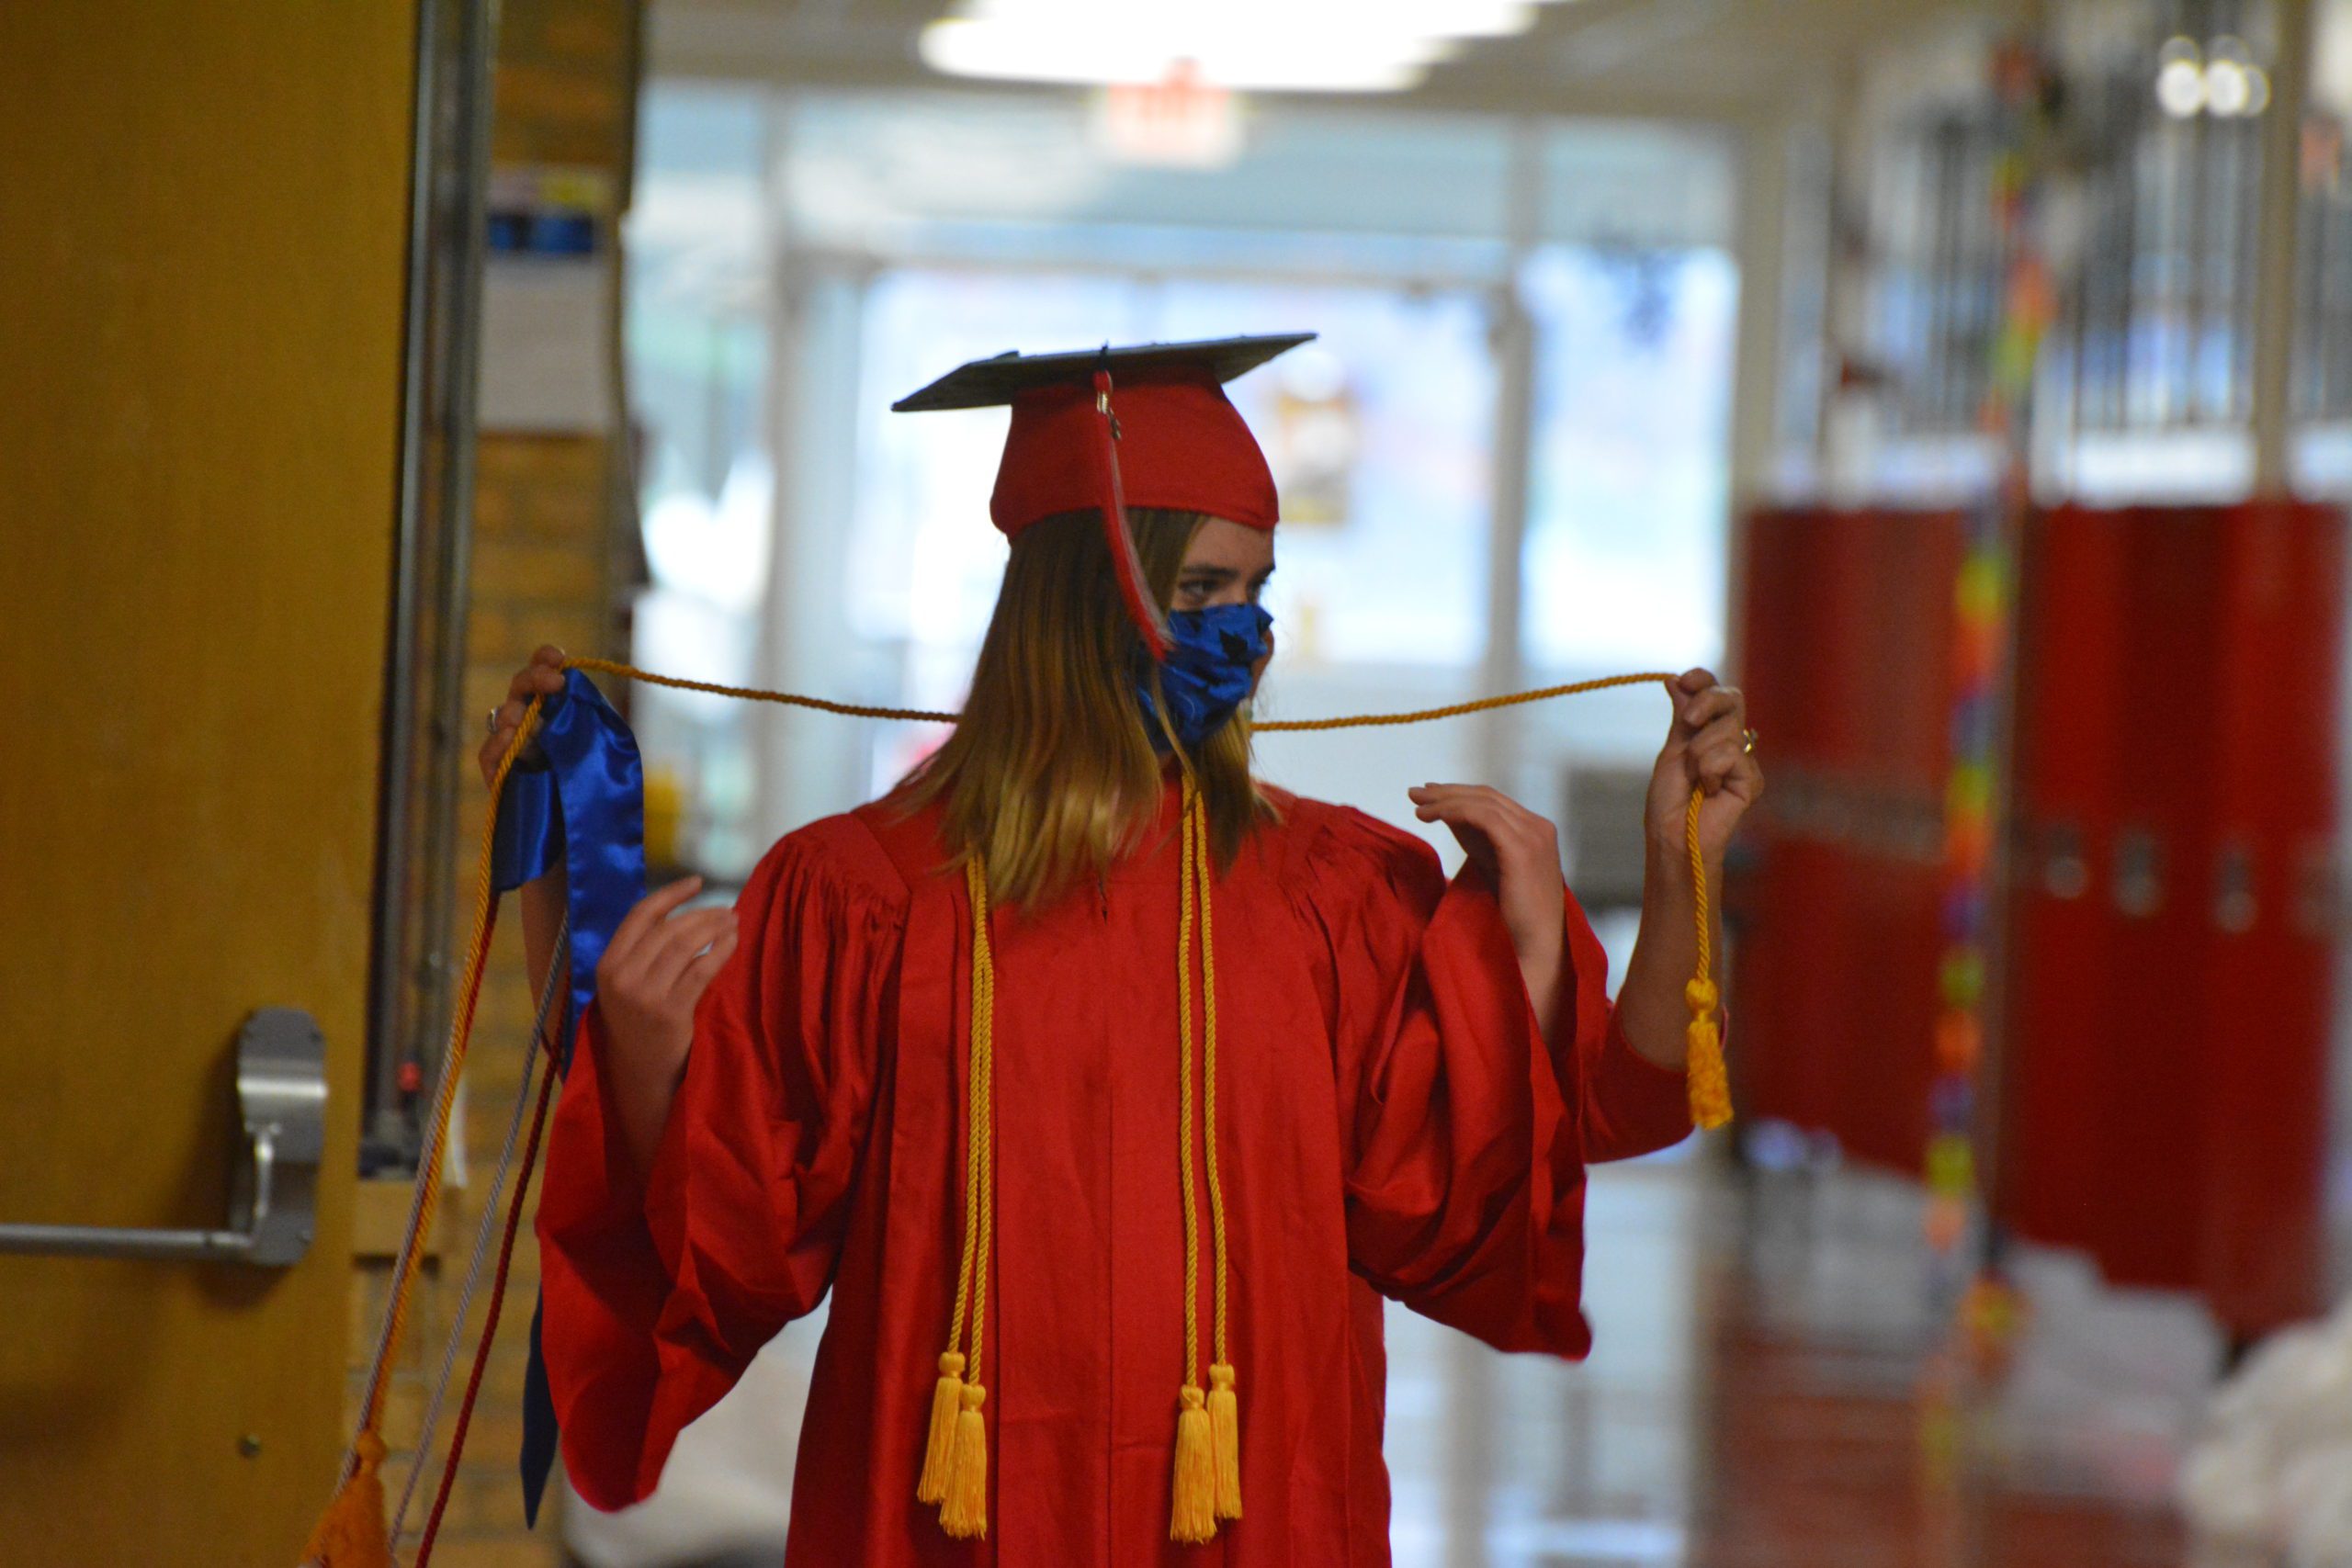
[[542, 677], [648, 982]]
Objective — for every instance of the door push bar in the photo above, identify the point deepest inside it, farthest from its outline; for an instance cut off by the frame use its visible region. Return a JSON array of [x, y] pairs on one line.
[[282, 1095]]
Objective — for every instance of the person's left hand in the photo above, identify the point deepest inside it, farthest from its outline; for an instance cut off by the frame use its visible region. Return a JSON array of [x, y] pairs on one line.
[[541, 678], [1517, 849], [1708, 747]]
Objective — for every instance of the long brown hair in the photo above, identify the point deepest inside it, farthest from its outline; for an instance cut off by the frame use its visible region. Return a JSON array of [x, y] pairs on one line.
[[1050, 773]]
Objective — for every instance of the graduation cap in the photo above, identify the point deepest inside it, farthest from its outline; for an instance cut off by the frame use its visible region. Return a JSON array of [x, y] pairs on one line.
[[1105, 428]]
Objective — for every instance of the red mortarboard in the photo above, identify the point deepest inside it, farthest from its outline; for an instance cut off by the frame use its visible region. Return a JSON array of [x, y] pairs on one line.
[[1105, 428]]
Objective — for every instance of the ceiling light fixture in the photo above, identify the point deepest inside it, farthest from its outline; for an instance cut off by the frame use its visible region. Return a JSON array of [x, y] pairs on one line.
[[2220, 80], [1365, 46], [2180, 78]]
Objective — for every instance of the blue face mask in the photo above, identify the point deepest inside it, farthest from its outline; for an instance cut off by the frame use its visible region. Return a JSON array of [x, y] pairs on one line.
[[1212, 655]]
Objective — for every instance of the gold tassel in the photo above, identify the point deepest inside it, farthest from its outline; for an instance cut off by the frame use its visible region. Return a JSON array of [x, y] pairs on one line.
[[1224, 1429], [956, 1451], [965, 1514], [939, 1452], [351, 1534], [1194, 1520], [1710, 1084]]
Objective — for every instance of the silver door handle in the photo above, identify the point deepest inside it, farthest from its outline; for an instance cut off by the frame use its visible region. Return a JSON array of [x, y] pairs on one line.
[[282, 1098]]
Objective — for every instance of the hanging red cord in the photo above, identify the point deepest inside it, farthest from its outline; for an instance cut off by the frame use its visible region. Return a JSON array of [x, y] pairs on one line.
[[490, 1324]]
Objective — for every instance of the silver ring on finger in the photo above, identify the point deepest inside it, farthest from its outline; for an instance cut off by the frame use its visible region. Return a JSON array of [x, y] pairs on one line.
[[494, 724]]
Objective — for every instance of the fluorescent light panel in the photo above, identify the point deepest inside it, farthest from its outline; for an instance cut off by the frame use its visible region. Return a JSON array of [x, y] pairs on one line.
[[1272, 45]]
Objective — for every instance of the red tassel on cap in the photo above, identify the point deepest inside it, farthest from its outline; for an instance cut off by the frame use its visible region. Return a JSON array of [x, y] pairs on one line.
[[1149, 621]]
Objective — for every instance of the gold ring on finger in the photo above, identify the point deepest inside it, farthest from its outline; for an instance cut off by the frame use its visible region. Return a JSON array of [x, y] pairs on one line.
[[1748, 742]]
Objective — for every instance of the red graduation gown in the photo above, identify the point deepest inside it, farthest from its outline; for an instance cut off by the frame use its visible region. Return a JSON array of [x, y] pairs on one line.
[[1391, 1125]]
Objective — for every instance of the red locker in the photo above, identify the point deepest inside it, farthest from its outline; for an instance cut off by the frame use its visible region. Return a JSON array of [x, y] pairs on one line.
[[2058, 1027], [2150, 1127], [1844, 595], [1901, 760], [1772, 673], [1805, 592], [1918, 564], [1886, 1032], [2270, 965], [1848, 672], [1781, 661], [1789, 1059]]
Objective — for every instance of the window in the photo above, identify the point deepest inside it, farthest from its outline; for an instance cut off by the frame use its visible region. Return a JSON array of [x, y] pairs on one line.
[[2169, 339], [698, 351], [1624, 558], [1937, 275]]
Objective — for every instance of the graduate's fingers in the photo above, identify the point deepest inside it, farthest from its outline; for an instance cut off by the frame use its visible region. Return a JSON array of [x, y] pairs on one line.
[[492, 752], [1715, 752], [1461, 805], [1680, 689], [1488, 825], [648, 983], [1457, 805], [1727, 725], [697, 975], [672, 949], [541, 678], [1714, 704], [1477, 845], [1746, 779], [1711, 768], [505, 718], [1479, 797], [1502, 818], [509, 717], [1485, 838], [621, 953], [1682, 695]]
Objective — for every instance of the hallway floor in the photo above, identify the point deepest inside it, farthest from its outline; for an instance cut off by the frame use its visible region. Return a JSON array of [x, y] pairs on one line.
[[1762, 1394]]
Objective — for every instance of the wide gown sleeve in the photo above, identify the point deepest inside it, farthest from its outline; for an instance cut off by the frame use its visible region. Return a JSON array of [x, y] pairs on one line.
[[661, 1289], [1470, 1131]]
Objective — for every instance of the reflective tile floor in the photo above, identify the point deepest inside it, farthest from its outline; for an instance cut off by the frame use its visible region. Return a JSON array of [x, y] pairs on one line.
[[1762, 1394]]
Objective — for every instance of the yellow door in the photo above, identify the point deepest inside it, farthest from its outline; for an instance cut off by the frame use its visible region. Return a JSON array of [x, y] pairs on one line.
[[202, 212]]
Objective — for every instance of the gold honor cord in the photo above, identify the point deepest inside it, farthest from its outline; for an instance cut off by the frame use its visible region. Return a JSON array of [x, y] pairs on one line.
[[351, 1534], [930, 716], [956, 1455], [1193, 1517], [1710, 1084]]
